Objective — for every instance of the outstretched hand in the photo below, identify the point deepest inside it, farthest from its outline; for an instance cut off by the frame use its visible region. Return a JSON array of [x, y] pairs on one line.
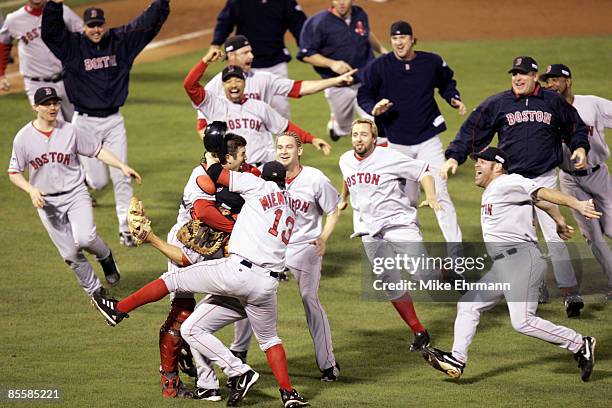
[[587, 209], [321, 145]]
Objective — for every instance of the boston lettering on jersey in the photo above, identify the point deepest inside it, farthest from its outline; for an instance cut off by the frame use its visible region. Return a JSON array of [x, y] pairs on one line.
[[486, 209], [51, 157], [272, 200], [30, 36], [362, 178], [100, 62], [299, 205], [244, 123], [528, 116]]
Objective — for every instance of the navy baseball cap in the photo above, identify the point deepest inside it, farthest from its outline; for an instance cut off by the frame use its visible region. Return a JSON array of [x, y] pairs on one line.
[[44, 94], [235, 43], [555, 71], [274, 171], [232, 71], [400, 28], [493, 154], [93, 15], [524, 65]]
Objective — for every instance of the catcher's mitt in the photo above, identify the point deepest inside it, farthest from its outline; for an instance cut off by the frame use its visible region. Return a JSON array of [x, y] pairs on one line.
[[200, 238], [138, 223]]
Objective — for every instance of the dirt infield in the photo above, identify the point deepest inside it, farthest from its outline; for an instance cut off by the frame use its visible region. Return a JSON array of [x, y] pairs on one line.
[[445, 20]]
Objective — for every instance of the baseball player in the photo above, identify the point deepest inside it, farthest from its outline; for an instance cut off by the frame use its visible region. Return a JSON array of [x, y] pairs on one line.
[[97, 65], [593, 182], [312, 195], [257, 249], [254, 120], [398, 88], [335, 41], [508, 230], [49, 150], [262, 85], [384, 218], [38, 66], [265, 24], [531, 124]]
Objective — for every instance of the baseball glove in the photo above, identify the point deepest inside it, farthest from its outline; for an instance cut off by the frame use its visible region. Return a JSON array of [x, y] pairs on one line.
[[200, 238], [138, 223]]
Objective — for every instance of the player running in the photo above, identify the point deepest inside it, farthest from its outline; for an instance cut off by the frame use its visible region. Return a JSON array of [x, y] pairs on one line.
[[508, 229], [49, 150], [383, 216]]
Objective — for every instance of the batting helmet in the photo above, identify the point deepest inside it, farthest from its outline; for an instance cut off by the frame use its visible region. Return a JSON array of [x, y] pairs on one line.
[[274, 171], [214, 138]]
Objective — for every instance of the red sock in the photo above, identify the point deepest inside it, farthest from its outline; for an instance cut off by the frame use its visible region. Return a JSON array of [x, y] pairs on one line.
[[278, 363], [149, 293], [405, 308]]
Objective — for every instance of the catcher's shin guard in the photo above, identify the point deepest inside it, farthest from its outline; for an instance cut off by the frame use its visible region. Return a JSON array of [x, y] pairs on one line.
[[173, 387], [170, 340]]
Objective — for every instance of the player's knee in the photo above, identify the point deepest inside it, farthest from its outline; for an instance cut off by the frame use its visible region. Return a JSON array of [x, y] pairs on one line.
[[189, 329], [265, 344], [310, 299], [84, 240], [521, 324], [97, 181]]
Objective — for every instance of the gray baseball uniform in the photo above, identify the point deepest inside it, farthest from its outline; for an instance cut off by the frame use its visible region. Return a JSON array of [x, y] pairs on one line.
[[53, 164], [507, 219], [595, 182], [312, 196]]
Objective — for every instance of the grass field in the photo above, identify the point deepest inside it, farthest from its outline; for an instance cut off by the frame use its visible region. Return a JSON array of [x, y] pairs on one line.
[[53, 338]]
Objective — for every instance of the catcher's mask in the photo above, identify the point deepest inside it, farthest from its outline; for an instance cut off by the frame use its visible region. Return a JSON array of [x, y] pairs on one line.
[[274, 171], [214, 139]]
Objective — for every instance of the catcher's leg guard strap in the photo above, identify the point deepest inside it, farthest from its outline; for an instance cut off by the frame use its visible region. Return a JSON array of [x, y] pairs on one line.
[[170, 340]]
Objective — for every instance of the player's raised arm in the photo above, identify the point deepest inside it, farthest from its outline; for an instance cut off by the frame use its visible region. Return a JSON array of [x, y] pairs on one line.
[[54, 32], [141, 30], [192, 84], [549, 195], [313, 86]]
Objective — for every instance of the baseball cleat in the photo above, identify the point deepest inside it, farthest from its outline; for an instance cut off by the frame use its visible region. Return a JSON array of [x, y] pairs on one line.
[[111, 272], [331, 374], [207, 394], [443, 361], [573, 304], [173, 387], [108, 308], [330, 129], [126, 239], [240, 385], [421, 339], [292, 399], [586, 357]]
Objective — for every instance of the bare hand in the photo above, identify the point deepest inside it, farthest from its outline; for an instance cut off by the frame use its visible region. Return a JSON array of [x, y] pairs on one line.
[[457, 104], [37, 197], [450, 164], [564, 231], [320, 244], [346, 79], [340, 67], [211, 159], [381, 107], [342, 205], [433, 203], [5, 85], [130, 172], [587, 209], [383, 50], [214, 54], [580, 158], [322, 145]]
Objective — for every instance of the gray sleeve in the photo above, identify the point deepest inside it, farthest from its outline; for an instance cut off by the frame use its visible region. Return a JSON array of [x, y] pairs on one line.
[[87, 145]]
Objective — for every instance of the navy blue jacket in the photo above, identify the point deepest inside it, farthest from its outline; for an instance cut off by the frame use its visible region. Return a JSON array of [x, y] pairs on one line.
[[414, 116], [264, 23], [328, 35], [96, 76], [530, 130]]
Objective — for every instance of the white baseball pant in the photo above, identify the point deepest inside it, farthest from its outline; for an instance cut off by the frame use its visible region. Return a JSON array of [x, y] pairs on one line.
[[343, 107], [305, 265], [596, 186], [559, 255], [111, 132], [524, 271], [280, 103], [431, 151], [69, 221]]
